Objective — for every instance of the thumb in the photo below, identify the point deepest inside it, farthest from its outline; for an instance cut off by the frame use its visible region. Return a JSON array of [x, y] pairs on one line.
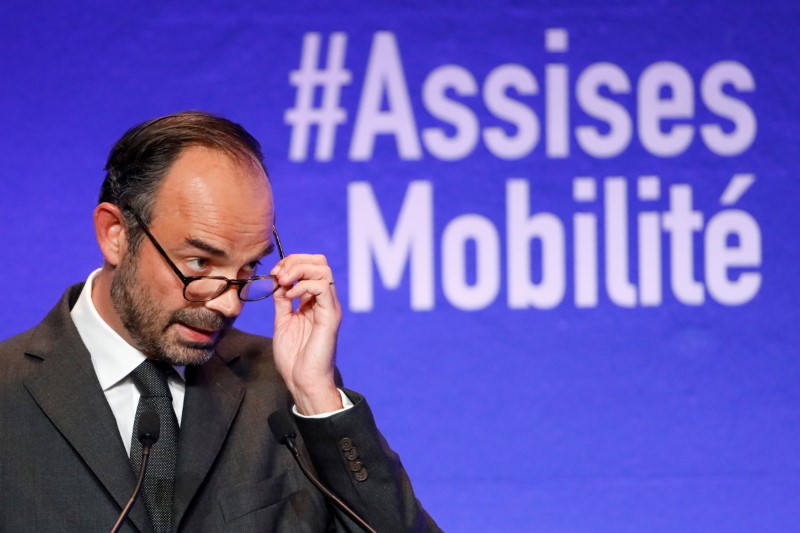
[[283, 305]]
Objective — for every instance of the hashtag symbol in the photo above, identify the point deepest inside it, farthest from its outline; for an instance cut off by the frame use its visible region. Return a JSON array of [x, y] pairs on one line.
[[326, 113]]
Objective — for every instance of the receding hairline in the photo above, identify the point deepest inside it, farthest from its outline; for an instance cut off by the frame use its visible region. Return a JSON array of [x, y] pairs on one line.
[[239, 157], [247, 170]]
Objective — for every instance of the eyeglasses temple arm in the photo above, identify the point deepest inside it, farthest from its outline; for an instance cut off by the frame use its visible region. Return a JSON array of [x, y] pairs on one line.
[[278, 241]]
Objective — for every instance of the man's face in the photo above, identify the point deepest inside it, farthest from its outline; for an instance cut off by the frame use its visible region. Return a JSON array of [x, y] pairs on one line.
[[213, 217]]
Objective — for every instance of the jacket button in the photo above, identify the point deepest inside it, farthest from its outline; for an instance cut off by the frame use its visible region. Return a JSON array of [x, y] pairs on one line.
[[351, 454], [345, 444], [356, 465], [361, 475]]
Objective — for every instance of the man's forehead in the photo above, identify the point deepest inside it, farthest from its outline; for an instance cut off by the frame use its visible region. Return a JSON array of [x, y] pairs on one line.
[[197, 158], [211, 180]]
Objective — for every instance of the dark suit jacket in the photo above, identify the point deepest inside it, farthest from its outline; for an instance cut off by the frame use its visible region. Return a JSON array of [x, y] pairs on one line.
[[63, 466]]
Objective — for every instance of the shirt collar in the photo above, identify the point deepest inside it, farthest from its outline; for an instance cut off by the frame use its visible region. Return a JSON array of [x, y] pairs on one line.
[[113, 358]]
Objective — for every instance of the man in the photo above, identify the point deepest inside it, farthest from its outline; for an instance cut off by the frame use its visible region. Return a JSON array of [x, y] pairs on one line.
[[184, 223]]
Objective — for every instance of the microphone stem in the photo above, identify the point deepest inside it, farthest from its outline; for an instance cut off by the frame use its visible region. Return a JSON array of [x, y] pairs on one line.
[[289, 439], [129, 505]]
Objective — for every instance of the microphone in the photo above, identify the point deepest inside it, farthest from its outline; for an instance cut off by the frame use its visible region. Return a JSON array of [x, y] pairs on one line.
[[282, 426], [149, 431]]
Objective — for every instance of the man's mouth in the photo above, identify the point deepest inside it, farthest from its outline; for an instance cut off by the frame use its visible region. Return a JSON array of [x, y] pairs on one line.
[[195, 334]]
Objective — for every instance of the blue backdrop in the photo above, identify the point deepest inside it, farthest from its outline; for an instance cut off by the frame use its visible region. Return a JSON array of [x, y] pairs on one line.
[[563, 234]]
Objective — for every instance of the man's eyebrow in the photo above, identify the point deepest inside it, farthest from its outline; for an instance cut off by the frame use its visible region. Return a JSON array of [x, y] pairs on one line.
[[202, 245], [213, 250]]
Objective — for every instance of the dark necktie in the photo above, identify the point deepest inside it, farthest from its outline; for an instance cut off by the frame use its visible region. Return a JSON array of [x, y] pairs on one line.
[[151, 380]]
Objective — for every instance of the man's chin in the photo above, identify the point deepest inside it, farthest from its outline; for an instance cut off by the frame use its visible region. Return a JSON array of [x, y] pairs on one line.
[[189, 354], [177, 350]]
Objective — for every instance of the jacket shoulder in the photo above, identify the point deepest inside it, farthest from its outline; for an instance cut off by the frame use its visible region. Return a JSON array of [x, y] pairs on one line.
[[56, 332], [13, 360]]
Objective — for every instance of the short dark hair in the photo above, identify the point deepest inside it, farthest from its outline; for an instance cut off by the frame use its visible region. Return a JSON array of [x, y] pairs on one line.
[[139, 161]]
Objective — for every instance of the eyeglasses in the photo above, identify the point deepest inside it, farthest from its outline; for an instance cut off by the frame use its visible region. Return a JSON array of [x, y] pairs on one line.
[[206, 288]]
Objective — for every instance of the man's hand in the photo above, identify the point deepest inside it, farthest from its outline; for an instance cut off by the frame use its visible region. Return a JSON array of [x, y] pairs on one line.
[[304, 343]]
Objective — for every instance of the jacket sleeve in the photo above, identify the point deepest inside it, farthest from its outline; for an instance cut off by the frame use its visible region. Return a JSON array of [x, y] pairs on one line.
[[352, 458]]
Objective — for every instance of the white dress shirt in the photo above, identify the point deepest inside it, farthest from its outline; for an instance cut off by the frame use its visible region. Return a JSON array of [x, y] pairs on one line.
[[114, 359]]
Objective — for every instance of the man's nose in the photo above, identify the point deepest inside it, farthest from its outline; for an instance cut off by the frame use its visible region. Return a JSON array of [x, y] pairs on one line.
[[227, 303]]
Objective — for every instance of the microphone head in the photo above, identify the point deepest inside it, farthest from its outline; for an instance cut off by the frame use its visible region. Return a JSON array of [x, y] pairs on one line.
[[149, 428], [282, 426]]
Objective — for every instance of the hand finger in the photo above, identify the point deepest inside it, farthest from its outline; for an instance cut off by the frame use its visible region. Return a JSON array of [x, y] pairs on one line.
[[295, 259], [322, 289], [283, 303], [303, 271], [319, 298]]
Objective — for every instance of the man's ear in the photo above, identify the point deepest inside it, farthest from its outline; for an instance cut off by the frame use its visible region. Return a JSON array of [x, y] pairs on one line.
[[111, 232]]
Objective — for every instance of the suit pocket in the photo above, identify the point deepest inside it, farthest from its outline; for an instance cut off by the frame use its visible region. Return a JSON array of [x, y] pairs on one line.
[[243, 499]]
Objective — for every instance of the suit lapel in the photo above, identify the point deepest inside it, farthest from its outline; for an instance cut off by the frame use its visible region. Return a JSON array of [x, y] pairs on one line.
[[67, 390], [213, 396]]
